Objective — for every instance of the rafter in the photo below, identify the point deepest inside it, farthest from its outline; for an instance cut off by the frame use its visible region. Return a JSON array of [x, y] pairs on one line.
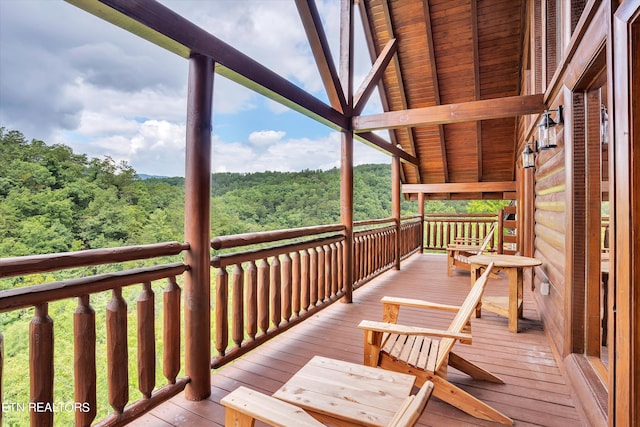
[[320, 47], [162, 26], [461, 187], [452, 113], [373, 78]]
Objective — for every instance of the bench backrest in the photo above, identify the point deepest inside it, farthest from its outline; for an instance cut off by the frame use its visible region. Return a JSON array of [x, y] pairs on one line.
[[462, 317], [413, 407]]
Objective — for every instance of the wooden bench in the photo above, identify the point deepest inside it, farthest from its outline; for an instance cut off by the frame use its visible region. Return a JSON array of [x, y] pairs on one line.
[[458, 253], [244, 406], [426, 353]]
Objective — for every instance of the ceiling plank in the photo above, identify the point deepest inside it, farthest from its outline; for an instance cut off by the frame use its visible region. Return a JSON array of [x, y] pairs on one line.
[[162, 26], [461, 187], [476, 79], [436, 86], [452, 113], [378, 142], [400, 86], [321, 52], [375, 74]]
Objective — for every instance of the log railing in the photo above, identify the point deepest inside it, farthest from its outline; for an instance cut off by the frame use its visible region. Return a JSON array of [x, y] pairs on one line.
[[261, 292], [374, 247], [41, 337], [440, 230], [283, 278]]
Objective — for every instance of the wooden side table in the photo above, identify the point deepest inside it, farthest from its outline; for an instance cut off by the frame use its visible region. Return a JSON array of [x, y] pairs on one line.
[[347, 394], [513, 265]]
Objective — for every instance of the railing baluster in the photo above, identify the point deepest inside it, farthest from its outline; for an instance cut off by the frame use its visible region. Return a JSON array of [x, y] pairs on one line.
[[313, 278], [327, 272], [146, 341], [304, 283], [237, 305], [334, 269], [263, 296], [84, 368], [171, 362], [41, 365], [340, 259], [117, 358], [275, 292], [320, 253], [251, 300], [222, 311], [295, 283], [1, 368], [286, 286]]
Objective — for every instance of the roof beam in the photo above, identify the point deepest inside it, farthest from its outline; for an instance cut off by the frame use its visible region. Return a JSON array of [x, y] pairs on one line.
[[377, 141], [452, 113], [162, 26], [321, 52], [373, 78], [461, 187]]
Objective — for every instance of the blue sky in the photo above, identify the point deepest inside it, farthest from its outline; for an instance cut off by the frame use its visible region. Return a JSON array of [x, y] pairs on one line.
[[68, 77]]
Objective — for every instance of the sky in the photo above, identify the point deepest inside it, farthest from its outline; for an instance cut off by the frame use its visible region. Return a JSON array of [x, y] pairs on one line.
[[68, 77]]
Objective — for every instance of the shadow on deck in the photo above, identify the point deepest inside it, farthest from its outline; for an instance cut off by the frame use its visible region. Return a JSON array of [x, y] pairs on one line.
[[535, 391]]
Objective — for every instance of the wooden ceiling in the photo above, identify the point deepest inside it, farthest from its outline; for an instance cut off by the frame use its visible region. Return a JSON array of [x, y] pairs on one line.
[[448, 73], [450, 52]]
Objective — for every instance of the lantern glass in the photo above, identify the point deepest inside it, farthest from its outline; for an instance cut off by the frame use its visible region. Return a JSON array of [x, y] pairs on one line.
[[528, 158]]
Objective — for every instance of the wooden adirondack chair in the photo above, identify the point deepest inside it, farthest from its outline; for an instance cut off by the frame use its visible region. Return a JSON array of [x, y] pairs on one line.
[[409, 349], [244, 406], [458, 253]]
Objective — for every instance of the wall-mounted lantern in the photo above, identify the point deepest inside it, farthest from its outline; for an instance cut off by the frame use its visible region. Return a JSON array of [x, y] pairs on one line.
[[547, 129]]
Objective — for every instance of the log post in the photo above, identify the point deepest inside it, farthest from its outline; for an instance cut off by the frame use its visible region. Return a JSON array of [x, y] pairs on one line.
[[346, 158], [395, 206], [171, 357], [197, 229], [1, 366], [84, 367], [41, 366], [117, 352], [146, 341]]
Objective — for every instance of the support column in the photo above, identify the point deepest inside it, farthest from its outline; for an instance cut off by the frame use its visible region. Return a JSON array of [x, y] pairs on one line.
[[197, 228], [346, 165], [421, 213], [395, 204], [346, 211]]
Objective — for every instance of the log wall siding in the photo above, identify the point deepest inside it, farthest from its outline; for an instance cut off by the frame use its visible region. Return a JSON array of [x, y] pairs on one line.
[[550, 239]]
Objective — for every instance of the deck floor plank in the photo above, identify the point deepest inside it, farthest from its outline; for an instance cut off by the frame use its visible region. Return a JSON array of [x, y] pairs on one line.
[[535, 392]]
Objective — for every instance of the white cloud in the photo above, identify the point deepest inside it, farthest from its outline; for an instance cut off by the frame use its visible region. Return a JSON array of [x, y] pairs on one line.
[[266, 137], [105, 92]]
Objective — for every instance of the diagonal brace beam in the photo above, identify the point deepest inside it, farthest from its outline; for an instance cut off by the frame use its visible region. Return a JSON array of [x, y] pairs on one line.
[[375, 74], [320, 47]]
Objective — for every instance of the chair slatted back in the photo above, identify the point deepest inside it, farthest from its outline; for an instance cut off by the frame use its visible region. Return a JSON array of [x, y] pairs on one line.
[[462, 317]]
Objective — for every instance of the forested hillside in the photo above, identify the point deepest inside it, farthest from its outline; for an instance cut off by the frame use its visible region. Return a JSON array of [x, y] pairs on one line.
[[53, 200]]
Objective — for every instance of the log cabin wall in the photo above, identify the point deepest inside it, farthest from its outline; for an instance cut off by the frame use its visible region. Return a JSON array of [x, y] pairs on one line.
[[568, 57]]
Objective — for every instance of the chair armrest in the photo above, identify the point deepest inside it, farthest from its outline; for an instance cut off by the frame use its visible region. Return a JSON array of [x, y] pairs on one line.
[[394, 328], [418, 303], [267, 409]]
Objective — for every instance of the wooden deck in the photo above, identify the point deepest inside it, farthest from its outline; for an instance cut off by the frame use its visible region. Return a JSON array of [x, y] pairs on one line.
[[535, 391]]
